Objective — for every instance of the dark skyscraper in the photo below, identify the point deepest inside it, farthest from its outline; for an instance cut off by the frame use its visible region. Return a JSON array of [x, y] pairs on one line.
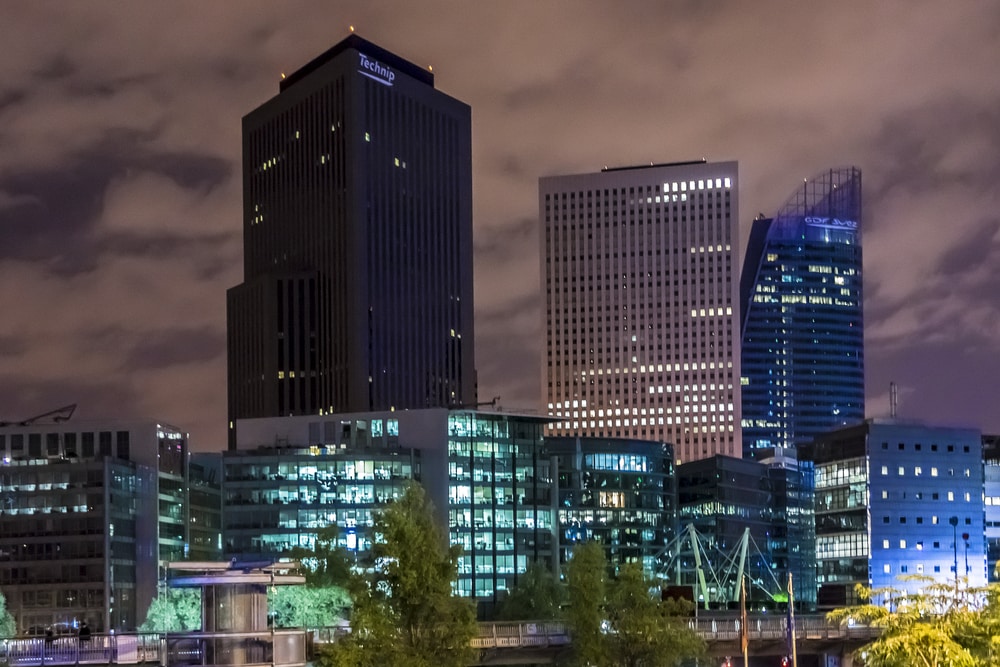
[[803, 370], [357, 234]]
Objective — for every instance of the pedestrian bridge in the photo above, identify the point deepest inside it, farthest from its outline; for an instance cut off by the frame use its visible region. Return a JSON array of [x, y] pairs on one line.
[[530, 642], [497, 642]]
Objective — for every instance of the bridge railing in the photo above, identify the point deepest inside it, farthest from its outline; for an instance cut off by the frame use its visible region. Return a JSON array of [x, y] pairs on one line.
[[140, 648], [724, 628], [776, 627], [520, 635], [97, 650]]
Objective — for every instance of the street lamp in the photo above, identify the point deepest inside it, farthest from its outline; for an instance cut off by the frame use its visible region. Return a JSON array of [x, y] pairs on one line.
[[965, 537], [954, 529]]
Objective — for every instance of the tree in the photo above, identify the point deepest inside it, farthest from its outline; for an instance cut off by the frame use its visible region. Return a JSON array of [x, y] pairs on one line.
[[537, 596], [618, 622], [586, 580], [646, 631], [937, 627], [174, 610], [404, 611], [324, 600], [307, 606], [325, 564], [8, 626]]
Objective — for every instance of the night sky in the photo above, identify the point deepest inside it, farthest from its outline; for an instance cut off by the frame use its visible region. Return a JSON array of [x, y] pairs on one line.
[[120, 184]]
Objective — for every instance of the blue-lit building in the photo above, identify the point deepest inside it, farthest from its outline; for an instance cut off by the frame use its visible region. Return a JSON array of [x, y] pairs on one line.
[[802, 324], [618, 492], [485, 472], [897, 498], [991, 504]]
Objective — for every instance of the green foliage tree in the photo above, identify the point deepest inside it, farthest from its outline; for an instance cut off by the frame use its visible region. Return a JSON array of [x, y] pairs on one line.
[[646, 631], [325, 564], [8, 627], [619, 622], [174, 610], [941, 626], [324, 600], [538, 596], [586, 583], [404, 611], [308, 606]]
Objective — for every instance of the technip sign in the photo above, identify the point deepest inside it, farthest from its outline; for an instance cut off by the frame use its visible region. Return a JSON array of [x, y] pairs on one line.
[[376, 71], [832, 223]]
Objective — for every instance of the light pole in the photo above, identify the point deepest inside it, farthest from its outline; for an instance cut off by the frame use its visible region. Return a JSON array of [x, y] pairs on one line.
[[954, 530], [965, 538]]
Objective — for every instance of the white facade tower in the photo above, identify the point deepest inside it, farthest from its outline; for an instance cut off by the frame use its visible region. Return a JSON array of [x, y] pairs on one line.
[[641, 305]]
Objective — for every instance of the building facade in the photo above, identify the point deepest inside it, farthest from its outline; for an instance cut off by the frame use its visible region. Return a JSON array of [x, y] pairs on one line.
[[486, 474], [641, 304], [618, 492], [357, 233], [803, 362], [991, 501], [896, 498], [89, 512], [758, 513]]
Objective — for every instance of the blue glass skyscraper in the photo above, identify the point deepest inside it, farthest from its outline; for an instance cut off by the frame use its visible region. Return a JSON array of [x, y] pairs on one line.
[[802, 324]]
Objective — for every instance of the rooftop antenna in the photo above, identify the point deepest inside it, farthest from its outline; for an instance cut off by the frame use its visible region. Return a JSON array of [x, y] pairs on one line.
[[893, 399]]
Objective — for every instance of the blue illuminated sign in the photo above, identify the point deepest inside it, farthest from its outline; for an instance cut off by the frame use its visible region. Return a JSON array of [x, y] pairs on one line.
[[376, 71], [832, 223]]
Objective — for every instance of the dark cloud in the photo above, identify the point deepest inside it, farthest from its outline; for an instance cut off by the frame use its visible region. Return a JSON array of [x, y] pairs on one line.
[[177, 346], [54, 212], [11, 346], [120, 202], [973, 250], [22, 398]]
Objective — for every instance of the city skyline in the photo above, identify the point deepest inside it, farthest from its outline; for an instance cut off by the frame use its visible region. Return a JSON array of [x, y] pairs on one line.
[[120, 178]]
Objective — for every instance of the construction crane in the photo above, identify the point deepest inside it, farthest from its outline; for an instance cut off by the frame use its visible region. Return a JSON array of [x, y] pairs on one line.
[[492, 403], [57, 416]]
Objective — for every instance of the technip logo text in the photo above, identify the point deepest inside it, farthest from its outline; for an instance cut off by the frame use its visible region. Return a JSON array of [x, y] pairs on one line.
[[376, 71]]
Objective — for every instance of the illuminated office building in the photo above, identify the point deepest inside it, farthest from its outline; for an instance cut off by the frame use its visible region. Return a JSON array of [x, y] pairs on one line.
[[771, 502], [357, 234], [641, 305], [991, 504], [803, 361], [89, 512], [617, 492], [897, 498], [485, 472]]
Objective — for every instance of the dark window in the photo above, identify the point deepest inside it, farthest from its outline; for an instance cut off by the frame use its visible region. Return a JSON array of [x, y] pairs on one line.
[[104, 442], [35, 445], [122, 444]]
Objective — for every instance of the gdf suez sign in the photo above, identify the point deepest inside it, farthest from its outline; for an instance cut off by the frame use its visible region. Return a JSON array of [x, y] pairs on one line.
[[832, 223], [376, 71]]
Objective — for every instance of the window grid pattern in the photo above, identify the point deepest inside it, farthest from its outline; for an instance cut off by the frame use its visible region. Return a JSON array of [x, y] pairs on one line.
[[640, 311], [803, 334]]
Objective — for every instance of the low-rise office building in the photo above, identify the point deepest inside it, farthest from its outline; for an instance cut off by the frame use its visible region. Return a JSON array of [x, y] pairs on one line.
[[88, 512], [485, 472], [897, 498], [767, 503], [617, 491], [991, 505]]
